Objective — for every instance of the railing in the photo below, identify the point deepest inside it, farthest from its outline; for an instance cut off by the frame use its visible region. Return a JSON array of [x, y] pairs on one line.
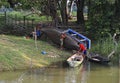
[[80, 38], [16, 23], [14, 20]]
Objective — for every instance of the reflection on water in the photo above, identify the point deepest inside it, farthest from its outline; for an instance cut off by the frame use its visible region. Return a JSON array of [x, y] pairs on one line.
[[86, 73]]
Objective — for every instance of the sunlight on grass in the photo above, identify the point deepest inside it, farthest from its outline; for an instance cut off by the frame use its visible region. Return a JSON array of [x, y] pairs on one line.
[[18, 52]]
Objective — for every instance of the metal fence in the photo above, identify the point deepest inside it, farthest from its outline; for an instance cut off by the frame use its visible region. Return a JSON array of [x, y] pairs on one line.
[[14, 20], [14, 23]]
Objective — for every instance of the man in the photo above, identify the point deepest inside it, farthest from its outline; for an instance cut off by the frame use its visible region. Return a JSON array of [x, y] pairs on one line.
[[82, 48], [37, 32], [62, 37]]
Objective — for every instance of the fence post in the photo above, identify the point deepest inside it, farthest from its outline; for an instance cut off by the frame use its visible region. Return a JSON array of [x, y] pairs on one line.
[[32, 22], [5, 17], [24, 20], [15, 19]]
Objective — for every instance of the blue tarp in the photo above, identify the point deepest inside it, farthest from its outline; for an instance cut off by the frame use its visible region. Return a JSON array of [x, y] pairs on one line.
[[80, 38]]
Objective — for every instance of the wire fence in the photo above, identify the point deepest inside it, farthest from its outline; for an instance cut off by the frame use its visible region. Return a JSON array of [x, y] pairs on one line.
[[14, 23]]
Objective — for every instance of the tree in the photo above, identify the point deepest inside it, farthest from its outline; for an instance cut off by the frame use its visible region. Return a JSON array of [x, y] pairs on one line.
[[12, 3], [52, 7], [101, 17], [63, 11], [116, 17], [69, 6], [117, 8], [80, 7]]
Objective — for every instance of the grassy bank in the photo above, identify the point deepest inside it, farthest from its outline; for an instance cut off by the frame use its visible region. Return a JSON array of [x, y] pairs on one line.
[[105, 47], [21, 53]]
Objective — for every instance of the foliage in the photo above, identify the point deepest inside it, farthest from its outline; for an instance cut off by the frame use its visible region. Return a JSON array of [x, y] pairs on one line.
[[104, 47], [101, 18], [27, 4], [28, 15], [4, 3]]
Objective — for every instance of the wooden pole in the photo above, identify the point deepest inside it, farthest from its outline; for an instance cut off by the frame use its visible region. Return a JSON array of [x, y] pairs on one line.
[[35, 38], [24, 20], [5, 18]]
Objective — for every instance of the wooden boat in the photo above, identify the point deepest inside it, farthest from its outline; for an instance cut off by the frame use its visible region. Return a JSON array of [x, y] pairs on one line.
[[54, 35], [75, 60], [98, 58], [70, 42]]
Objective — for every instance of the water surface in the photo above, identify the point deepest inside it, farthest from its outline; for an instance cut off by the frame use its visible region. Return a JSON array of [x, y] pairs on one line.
[[87, 73]]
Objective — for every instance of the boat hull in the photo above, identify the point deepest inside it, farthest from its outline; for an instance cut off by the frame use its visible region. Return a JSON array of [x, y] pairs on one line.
[[54, 35], [96, 58]]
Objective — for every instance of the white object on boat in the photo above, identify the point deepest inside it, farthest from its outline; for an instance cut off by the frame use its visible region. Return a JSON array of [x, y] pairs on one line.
[[75, 60]]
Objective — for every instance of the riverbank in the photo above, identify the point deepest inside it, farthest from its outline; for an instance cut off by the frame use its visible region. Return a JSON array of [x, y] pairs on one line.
[[21, 53]]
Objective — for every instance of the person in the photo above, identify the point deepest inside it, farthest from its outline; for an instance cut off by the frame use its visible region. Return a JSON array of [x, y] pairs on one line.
[[82, 48], [62, 37], [36, 33]]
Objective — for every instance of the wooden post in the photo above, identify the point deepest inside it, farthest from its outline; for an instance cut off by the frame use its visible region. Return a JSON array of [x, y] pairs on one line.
[[35, 38], [32, 22], [15, 19], [24, 20], [5, 17]]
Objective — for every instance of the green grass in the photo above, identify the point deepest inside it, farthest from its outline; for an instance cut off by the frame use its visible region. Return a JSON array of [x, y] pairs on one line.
[[2, 20], [105, 46], [17, 52]]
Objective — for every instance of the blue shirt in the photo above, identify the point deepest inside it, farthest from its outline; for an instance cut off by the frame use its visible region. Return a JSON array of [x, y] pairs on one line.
[[38, 33]]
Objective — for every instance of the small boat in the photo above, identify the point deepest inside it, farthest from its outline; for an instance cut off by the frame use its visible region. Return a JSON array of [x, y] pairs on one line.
[[98, 59], [75, 60]]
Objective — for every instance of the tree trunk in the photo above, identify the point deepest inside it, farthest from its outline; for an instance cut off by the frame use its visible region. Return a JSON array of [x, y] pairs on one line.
[[53, 11], [89, 6], [69, 8], [64, 12], [117, 8], [11, 3], [80, 16]]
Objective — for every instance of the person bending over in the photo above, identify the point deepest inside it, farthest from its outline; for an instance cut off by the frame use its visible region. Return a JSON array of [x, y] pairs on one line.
[[82, 48], [62, 37]]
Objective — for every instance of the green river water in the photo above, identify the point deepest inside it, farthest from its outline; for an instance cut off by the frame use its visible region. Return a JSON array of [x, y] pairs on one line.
[[86, 73]]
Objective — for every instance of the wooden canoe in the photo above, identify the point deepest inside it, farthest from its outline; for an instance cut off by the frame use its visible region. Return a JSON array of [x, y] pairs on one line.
[[96, 58], [75, 60], [54, 35]]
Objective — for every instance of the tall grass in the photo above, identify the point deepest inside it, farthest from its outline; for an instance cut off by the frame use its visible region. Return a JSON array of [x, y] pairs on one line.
[[117, 54], [105, 47]]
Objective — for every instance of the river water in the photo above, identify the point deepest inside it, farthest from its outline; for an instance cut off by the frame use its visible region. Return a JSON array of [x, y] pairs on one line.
[[86, 73]]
